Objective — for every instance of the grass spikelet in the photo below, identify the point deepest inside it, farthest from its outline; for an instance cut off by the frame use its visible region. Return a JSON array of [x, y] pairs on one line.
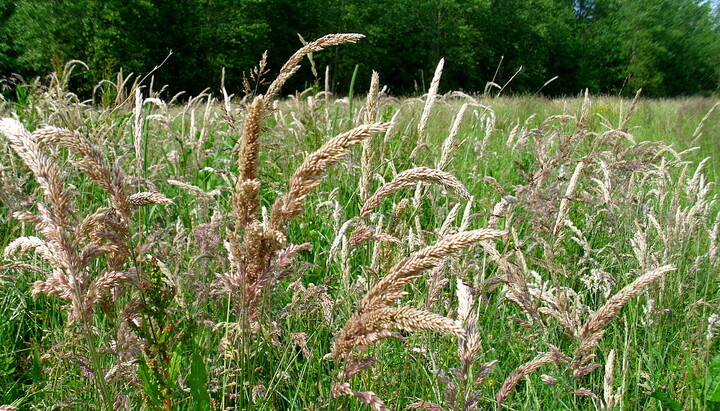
[[23, 245], [71, 248], [563, 208], [292, 65], [146, 198], [430, 102], [366, 161], [45, 171], [609, 399], [308, 175], [90, 161], [364, 326], [369, 398], [245, 199], [631, 110], [424, 405], [138, 135], [409, 178], [526, 369], [593, 330], [410, 319], [449, 145], [249, 144], [699, 129]]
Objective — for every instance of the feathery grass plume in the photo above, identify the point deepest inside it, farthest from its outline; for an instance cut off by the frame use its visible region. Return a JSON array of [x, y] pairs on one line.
[[516, 281], [366, 161], [429, 103], [565, 201], [631, 110], [425, 405], [23, 245], [409, 178], [91, 162], [138, 135], [462, 382], [487, 121], [197, 191], [373, 318], [292, 65], [609, 399], [89, 159], [146, 198], [249, 149], [245, 199], [308, 174], [593, 330], [449, 145], [251, 260], [554, 355], [69, 247], [251, 257], [368, 398], [699, 129], [46, 173], [585, 110]]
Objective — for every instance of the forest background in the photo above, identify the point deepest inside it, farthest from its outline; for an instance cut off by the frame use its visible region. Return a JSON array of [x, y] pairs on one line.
[[667, 47]]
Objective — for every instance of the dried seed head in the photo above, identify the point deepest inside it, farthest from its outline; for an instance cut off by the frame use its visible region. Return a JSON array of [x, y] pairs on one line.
[[409, 178], [146, 198], [307, 177]]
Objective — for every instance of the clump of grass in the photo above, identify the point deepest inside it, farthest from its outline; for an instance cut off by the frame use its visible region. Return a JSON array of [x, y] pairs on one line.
[[71, 245], [375, 317], [253, 271]]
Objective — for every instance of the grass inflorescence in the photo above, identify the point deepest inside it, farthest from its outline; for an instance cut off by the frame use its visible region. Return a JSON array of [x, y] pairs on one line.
[[470, 252]]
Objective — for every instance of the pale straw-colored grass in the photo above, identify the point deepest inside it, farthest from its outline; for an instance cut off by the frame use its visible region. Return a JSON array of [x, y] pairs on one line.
[[410, 178]]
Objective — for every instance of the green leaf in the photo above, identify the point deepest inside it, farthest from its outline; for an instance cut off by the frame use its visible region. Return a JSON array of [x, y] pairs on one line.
[[174, 367], [666, 401], [37, 373], [150, 385], [198, 382], [7, 366], [712, 381]]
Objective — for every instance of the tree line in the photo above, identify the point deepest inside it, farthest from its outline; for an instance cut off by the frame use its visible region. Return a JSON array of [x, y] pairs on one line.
[[667, 47]]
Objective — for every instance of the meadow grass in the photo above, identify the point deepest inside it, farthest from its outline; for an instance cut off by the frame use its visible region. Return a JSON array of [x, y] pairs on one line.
[[555, 254]]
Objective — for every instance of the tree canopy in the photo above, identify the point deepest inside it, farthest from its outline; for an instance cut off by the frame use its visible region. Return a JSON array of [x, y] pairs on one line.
[[667, 47]]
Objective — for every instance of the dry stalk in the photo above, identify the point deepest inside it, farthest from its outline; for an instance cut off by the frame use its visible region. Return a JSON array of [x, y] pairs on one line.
[[366, 162], [528, 368], [450, 144], [429, 103], [374, 318], [410, 178], [308, 175], [593, 330], [293, 64]]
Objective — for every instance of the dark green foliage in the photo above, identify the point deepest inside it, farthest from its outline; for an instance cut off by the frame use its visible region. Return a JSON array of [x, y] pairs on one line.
[[667, 47], [666, 401], [198, 382]]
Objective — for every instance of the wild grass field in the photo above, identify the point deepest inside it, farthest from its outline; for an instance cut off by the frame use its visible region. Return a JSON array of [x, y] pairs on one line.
[[444, 252]]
